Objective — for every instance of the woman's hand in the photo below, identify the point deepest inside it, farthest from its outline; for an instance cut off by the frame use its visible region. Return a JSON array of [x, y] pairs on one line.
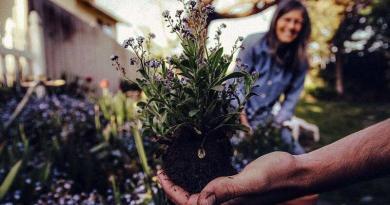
[[244, 121]]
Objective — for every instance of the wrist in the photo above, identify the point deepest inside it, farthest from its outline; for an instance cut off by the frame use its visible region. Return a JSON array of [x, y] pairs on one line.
[[288, 178], [298, 178], [304, 174]]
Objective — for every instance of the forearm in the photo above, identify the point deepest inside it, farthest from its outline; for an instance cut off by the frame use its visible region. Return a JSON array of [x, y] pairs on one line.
[[279, 176], [359, 156]]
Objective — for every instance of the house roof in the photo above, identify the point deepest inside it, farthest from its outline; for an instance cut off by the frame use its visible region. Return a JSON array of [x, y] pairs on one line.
[[102, 11]]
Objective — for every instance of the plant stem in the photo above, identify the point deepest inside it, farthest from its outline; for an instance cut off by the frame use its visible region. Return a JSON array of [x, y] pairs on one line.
[[142, 156]]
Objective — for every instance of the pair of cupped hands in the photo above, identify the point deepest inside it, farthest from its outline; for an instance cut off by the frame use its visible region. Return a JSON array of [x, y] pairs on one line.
[[253, 185]]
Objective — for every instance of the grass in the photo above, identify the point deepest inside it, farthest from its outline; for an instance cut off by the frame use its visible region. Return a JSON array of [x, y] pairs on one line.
[[337, 119]]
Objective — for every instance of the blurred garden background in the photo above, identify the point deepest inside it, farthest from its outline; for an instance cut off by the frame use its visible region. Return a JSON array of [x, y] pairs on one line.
[[69, 132]]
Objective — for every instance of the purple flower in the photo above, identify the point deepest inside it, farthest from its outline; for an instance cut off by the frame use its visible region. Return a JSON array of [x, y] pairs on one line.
[[187, 33], [154, 63], [175, 28], [192, 3], [169, 60], [158, 78], [152, 35], [128, 42], [114, 57], [170, 75], [140, 39], [179, 13], [184, 80], [133, 61], [209, 9], [165, 14]]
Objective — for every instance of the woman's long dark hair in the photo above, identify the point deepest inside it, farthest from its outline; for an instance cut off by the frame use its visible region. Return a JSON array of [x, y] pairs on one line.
[[294, 53]]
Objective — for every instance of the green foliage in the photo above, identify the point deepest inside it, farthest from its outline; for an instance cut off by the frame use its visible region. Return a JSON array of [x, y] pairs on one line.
[[122, 113], [360, 41], [60, 138], [326, 17], [335, 21], [193, 89], [6, 184]]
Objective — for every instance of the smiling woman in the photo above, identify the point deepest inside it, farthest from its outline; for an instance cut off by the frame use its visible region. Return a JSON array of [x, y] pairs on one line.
[[279, 56], [289, 26]]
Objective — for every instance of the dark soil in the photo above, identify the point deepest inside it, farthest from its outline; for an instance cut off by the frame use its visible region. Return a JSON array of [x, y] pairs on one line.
[[183, 166]]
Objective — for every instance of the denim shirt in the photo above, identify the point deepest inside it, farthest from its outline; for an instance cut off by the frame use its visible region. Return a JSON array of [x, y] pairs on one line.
[[274, 81]]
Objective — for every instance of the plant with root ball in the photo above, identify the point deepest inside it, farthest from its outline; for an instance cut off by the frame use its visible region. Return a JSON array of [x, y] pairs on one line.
[[193, 104]]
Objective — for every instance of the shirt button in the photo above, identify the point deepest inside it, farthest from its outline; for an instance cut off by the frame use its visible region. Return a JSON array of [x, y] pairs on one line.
[[262, 95], [269, 82]]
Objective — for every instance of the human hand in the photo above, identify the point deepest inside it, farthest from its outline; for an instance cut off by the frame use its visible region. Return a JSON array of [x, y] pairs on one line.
[[244, 121], [175, 194], [253, 185]]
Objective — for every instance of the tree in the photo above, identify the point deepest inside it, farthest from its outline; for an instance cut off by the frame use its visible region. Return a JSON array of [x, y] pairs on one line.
[[364, 29]]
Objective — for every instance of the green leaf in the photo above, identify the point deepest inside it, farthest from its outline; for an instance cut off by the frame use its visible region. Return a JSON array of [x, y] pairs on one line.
[[163, 68], [189, 92], [46, 171], [233, 75], [187, 75], [98, 147], [193, 112], [225, 118], [189, 48], [24, 138], [219, 88], [156, 100], [210, 108], [141, 151], [9, 179], [140, 82], [216, 57], [143, 73], [232, 127], [197, 131]]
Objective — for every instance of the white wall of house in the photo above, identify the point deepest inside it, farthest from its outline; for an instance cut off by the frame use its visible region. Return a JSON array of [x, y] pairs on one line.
[[40, 45], [15, 58]]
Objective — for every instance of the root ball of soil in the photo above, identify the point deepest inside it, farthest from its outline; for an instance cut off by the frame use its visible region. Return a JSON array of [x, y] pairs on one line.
[[184, 167]]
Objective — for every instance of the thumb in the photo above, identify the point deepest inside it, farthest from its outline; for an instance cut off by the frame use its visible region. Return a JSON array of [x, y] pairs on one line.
[[219, 190]]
